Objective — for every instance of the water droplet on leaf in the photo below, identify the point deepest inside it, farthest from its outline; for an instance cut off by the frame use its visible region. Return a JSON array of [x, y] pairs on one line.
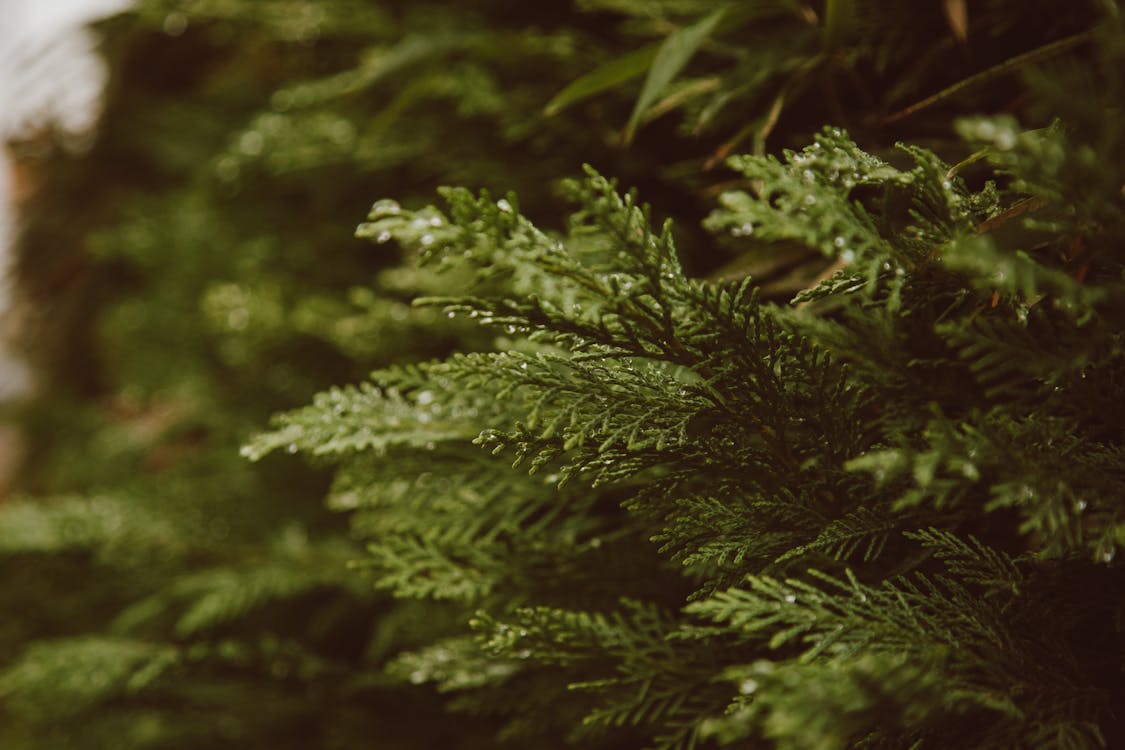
[[385, 207], [175, 24], [251, 143]]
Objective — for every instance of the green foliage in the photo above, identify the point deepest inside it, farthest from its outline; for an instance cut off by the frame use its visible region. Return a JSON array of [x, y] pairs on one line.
[[742, 436], [55, 679], [592, 498], [673, 55]]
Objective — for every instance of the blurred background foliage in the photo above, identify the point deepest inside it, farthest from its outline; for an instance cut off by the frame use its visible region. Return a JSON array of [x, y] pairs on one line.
[[195, 270]]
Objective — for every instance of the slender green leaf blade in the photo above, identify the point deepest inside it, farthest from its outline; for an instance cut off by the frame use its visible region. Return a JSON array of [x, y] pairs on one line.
[[838, 22], [670, 59], [612, 73]]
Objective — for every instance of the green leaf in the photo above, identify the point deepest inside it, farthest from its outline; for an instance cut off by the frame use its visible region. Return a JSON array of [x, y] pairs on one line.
[[670, 59], [612, 73], [839, 19]]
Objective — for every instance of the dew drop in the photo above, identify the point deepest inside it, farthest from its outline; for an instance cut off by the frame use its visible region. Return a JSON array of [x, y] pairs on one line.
[[790, 598], [427, 239], [227, 169], [838, 242], [385, 207], [292, 448], [238, 319], [383, 236], [986, 129], [504, 206], [425, 397], [847, 256], [251, 143], [343, 133], [175, 24]]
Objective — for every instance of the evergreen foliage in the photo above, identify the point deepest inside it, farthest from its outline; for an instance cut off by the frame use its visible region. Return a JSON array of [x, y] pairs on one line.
[[860, 488]]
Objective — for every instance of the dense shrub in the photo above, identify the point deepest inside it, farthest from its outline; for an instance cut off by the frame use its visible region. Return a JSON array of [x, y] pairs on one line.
[[821, 450]]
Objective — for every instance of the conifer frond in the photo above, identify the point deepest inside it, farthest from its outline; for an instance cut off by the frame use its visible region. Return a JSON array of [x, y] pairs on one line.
[[806, 198], [952, 622], [933, 424], [55, 679], [453, 664], [970, 560], [115, 527], [869, 700], [645, 692], [863, 530], [742, 437], [1062, 493], [204, 601], [365, 417], [1030, 284]]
